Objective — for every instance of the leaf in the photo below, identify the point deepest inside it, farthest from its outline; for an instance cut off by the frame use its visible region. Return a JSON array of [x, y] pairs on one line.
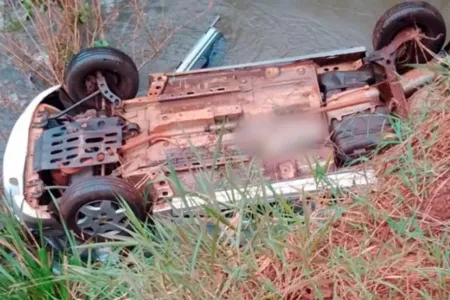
[[101, 43], [399, 227], [195, 254]]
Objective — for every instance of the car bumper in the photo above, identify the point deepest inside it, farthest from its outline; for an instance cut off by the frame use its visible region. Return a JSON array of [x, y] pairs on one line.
[[14, 162]]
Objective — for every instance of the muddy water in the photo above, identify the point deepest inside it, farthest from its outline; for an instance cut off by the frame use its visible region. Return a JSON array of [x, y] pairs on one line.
[[268, 29], [256, 30]]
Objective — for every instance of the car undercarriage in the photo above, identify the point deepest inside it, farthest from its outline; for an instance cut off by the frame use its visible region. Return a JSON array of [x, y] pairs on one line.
[[92, 139]]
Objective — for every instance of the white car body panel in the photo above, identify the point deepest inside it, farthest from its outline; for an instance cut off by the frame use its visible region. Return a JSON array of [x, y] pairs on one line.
[[287, 189], [15, 158]]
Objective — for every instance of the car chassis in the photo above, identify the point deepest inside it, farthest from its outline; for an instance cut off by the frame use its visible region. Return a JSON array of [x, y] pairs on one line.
[[326, 109]]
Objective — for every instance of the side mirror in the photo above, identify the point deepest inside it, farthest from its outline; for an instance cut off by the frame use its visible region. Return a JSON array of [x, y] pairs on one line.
[[208, 52]]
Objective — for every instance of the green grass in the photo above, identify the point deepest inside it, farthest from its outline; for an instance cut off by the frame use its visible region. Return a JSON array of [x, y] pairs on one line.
[[199, 258], [269, 256]]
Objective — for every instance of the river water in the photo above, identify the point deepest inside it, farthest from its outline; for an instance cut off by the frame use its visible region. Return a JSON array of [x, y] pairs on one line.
[[255, 30]]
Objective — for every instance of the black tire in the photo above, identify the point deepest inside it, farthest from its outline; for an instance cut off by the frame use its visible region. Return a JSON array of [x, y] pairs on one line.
[[118, 68], [94, 189], [410, 14]]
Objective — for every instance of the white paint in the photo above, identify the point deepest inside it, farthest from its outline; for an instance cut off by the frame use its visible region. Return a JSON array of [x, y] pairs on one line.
[[14, 161], [287, 189]]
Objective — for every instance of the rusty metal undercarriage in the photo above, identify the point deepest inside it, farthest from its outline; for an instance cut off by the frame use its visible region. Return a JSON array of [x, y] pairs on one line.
[[290, 117]]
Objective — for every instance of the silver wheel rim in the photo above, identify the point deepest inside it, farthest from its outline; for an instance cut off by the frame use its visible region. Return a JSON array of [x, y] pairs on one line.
[[104, 217]]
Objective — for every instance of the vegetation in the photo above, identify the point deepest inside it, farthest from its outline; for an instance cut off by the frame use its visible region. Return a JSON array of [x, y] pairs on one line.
[[43, 35]]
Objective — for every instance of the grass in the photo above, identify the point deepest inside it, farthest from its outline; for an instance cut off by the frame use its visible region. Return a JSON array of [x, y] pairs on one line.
[[41, 36], [392, 243]]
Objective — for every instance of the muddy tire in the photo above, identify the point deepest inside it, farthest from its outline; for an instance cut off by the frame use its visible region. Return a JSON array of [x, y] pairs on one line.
[[91, 208], [117, 67], [410, 14]]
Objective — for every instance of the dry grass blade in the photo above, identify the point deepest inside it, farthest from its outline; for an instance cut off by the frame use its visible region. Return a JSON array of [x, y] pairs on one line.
[[52, 34]]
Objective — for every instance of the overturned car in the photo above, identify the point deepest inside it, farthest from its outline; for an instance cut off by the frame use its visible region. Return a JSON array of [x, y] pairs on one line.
[[80, 148]]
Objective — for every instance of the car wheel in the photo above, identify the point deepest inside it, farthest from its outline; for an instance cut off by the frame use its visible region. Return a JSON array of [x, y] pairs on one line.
[[91, 208], [407, 15], [118, 68]]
